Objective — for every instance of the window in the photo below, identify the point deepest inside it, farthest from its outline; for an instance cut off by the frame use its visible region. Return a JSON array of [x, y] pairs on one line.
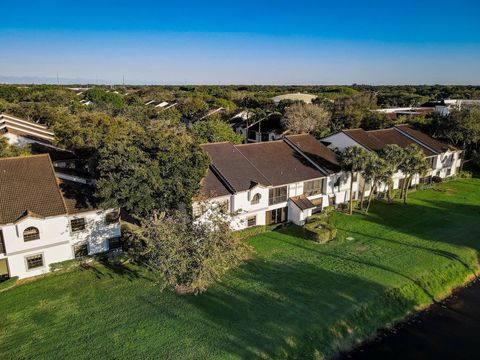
[[355, 177], [251, 221], [430, 162], [449, 171], [77, 224], [337, 182], [31, 233], [2, 243], [256, 199], [80, 250], [114, 243], [277, 195], [313, 187], [34, 261], [277, 216], [112, 217]]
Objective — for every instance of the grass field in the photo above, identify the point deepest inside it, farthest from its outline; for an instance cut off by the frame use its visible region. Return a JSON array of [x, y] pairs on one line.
[[293, 299]]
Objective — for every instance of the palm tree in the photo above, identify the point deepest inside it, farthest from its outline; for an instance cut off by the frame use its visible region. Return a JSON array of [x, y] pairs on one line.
[[394, 156], [352, 159], [414, 163], [379, 171], [367, 172]]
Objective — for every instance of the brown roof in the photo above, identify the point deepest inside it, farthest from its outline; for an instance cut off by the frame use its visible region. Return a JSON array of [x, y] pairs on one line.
[[402, 135], [78, 197], [302, 202], [392, 136], [232, 166], [28, 185], [239, 167], [279, 162], [436, 145], [365, 139], [212, 186], [316, 151]]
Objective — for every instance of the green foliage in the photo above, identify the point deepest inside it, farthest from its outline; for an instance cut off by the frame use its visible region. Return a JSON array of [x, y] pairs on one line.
[[152, 171], [7, 150], [319, 231], [213, 129], [187, 256], [102, 97]]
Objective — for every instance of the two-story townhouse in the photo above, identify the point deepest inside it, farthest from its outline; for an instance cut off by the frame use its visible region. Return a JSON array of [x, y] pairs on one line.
[[44, 220], [273, 182], [444, 160]]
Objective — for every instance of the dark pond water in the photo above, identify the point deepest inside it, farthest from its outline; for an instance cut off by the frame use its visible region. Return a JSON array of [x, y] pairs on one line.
[[447, 330]]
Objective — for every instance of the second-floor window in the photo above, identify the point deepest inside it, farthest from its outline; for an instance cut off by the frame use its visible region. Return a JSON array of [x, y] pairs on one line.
[[430, 162], [277, 195], [256, 199], [313, 187], [31, 233], [77, 224]]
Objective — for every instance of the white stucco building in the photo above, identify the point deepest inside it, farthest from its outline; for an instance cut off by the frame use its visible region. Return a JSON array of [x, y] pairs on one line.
[[273, 182], [444, 160], [45, 220]]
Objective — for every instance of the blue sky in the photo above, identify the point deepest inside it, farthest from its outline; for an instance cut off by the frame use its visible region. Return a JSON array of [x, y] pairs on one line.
[[243, 42]]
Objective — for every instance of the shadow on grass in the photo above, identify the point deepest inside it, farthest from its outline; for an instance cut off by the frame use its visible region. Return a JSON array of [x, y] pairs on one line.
[[288, 309]]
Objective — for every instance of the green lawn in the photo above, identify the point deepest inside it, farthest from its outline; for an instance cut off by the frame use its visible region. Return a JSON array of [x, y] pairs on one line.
[[293, 299]]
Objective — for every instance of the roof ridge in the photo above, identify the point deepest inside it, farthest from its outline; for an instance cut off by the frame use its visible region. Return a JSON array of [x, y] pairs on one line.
[[262, 174], [23, 157]]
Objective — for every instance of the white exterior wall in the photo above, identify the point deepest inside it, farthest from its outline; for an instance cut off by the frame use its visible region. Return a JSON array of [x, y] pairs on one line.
[[240, 203], [56, 240]]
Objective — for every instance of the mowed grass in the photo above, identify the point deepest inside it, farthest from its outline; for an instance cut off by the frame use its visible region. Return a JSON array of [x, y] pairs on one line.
[[293, 299]]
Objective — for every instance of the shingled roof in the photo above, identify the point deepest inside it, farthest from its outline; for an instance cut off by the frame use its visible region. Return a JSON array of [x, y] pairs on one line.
[[430, 142], [402, 135], [237, 168], [28, 186]]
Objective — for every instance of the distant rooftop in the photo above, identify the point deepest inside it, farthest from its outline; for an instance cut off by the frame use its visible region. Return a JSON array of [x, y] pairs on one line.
[[306, 98]]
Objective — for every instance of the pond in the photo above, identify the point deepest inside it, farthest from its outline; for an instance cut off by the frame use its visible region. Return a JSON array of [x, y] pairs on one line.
[[446, 330]]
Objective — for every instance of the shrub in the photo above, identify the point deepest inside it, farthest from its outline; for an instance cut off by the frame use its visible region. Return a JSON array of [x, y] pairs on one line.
[[320, 231], [437, 179], [465, 174]]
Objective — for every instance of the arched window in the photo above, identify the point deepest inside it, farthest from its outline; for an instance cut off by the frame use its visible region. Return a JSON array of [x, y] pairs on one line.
[[256, 199], [31, 233]]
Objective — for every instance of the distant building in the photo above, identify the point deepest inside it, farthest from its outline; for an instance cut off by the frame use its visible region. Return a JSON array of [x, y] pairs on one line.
[[45, 220], [410, 112], [306, 98], [40, 138], [160, 104]]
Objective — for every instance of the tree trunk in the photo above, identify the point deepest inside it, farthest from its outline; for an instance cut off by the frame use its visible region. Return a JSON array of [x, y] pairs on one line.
[[402, 192], [374, 187], [351, 193], [406, 189], [363, 195]]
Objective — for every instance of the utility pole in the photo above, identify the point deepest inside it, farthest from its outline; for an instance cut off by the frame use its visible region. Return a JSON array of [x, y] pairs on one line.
[[123, 82]]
